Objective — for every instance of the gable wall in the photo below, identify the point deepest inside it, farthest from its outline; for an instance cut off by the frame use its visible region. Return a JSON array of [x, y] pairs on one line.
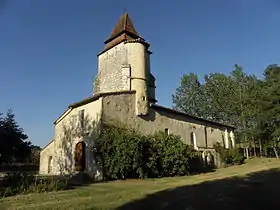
[[44, 157], [68, 133]]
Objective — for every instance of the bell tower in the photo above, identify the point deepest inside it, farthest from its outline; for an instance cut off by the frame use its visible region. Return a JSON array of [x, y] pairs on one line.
[[124, 64]]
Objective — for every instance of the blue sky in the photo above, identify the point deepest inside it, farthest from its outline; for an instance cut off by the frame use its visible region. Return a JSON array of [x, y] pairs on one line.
[[48, 48]]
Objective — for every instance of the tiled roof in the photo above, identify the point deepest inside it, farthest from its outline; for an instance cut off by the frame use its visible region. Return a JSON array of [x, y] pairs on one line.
[[124, 25], [124, 30]]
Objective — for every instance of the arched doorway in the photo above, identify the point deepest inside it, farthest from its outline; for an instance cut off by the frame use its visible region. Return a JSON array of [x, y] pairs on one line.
[[80, 156], [209, 159]]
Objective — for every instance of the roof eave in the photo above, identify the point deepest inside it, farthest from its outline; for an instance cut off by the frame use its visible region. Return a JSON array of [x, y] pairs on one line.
[[191, 116]]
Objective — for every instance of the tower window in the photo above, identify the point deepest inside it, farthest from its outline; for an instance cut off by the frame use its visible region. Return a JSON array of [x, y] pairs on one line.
[[82, 117], [166, 131]]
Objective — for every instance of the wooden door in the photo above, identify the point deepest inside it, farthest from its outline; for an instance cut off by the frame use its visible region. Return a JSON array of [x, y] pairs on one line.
[[80, 156]]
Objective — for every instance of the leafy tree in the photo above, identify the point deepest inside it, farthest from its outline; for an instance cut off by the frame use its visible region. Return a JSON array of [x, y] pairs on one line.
[[239, 99], [189, 96], [245, 105], [218, 89]]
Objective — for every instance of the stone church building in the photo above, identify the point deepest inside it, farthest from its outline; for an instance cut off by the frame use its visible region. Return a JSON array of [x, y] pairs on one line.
[[124, 91]]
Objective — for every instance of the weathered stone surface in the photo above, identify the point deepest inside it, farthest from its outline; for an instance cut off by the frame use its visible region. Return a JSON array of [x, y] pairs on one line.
[[111, 76], [68, 132], [45, 154], [120, 107]]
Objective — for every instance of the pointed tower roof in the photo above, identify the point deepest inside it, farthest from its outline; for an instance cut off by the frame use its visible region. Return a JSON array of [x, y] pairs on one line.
[[124, 25], [124, 30]]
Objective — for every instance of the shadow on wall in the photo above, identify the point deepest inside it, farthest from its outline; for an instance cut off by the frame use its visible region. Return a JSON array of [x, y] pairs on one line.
[[256, 191], [73, 156]]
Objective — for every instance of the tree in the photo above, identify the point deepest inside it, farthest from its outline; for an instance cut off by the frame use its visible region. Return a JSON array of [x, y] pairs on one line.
[[230, 99], [245, 106], [270, 106], [218, 89], [14, 145], [189, 96], [35, 155]]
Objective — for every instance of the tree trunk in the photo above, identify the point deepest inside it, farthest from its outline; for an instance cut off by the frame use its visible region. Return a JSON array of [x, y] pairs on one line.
[[254, 147], [275, 152], [247, 152], [261, 150]]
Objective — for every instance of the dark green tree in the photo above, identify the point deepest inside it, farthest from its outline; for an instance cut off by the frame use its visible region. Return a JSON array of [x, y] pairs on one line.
[[34, 155], [14, 145], [270, 107]]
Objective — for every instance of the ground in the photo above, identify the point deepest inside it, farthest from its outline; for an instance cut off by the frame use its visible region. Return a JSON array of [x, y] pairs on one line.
[[254, 185]]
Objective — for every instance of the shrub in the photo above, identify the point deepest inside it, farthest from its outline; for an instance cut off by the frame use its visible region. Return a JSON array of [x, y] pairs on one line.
[[122, 153], [127, 154], [237, 157], [174, 158], [229, 156]]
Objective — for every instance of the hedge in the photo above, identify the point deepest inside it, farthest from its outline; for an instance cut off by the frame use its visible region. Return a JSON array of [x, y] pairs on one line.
[[125, 153]]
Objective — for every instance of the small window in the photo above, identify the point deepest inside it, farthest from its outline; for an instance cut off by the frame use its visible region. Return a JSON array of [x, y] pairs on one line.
[[166, 131], [50, 164], [82, 117]]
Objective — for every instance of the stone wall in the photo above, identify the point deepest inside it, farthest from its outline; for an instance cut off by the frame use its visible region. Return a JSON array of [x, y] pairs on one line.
[[113, 73], [121, 107], [69, 130], [45, 154]]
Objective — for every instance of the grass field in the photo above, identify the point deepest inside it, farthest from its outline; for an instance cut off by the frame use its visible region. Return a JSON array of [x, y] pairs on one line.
[[254, 185]]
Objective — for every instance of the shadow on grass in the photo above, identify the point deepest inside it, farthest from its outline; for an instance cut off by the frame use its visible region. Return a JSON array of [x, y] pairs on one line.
[[260, 190], [23, 183]]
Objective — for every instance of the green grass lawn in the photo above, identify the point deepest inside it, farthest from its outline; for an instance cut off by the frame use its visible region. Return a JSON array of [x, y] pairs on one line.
[[254, 185]]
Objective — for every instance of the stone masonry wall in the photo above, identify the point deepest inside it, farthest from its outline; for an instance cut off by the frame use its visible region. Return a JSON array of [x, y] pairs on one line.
[[68, 132], [47, 152], [121, 107], [113, 74]]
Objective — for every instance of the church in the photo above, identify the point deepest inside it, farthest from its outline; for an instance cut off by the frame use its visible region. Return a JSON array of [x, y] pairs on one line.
[[124, 91]]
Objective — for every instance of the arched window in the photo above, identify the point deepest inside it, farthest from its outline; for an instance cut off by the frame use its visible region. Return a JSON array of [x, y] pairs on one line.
[[223, 140], [80, 156], [230, 142], [192, 139], [166, 131]]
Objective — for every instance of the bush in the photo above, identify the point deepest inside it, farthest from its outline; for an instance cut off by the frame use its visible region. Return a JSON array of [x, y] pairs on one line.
[[122, 153], [237, 157], [174, 158], [127, 154], [229, 156]]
